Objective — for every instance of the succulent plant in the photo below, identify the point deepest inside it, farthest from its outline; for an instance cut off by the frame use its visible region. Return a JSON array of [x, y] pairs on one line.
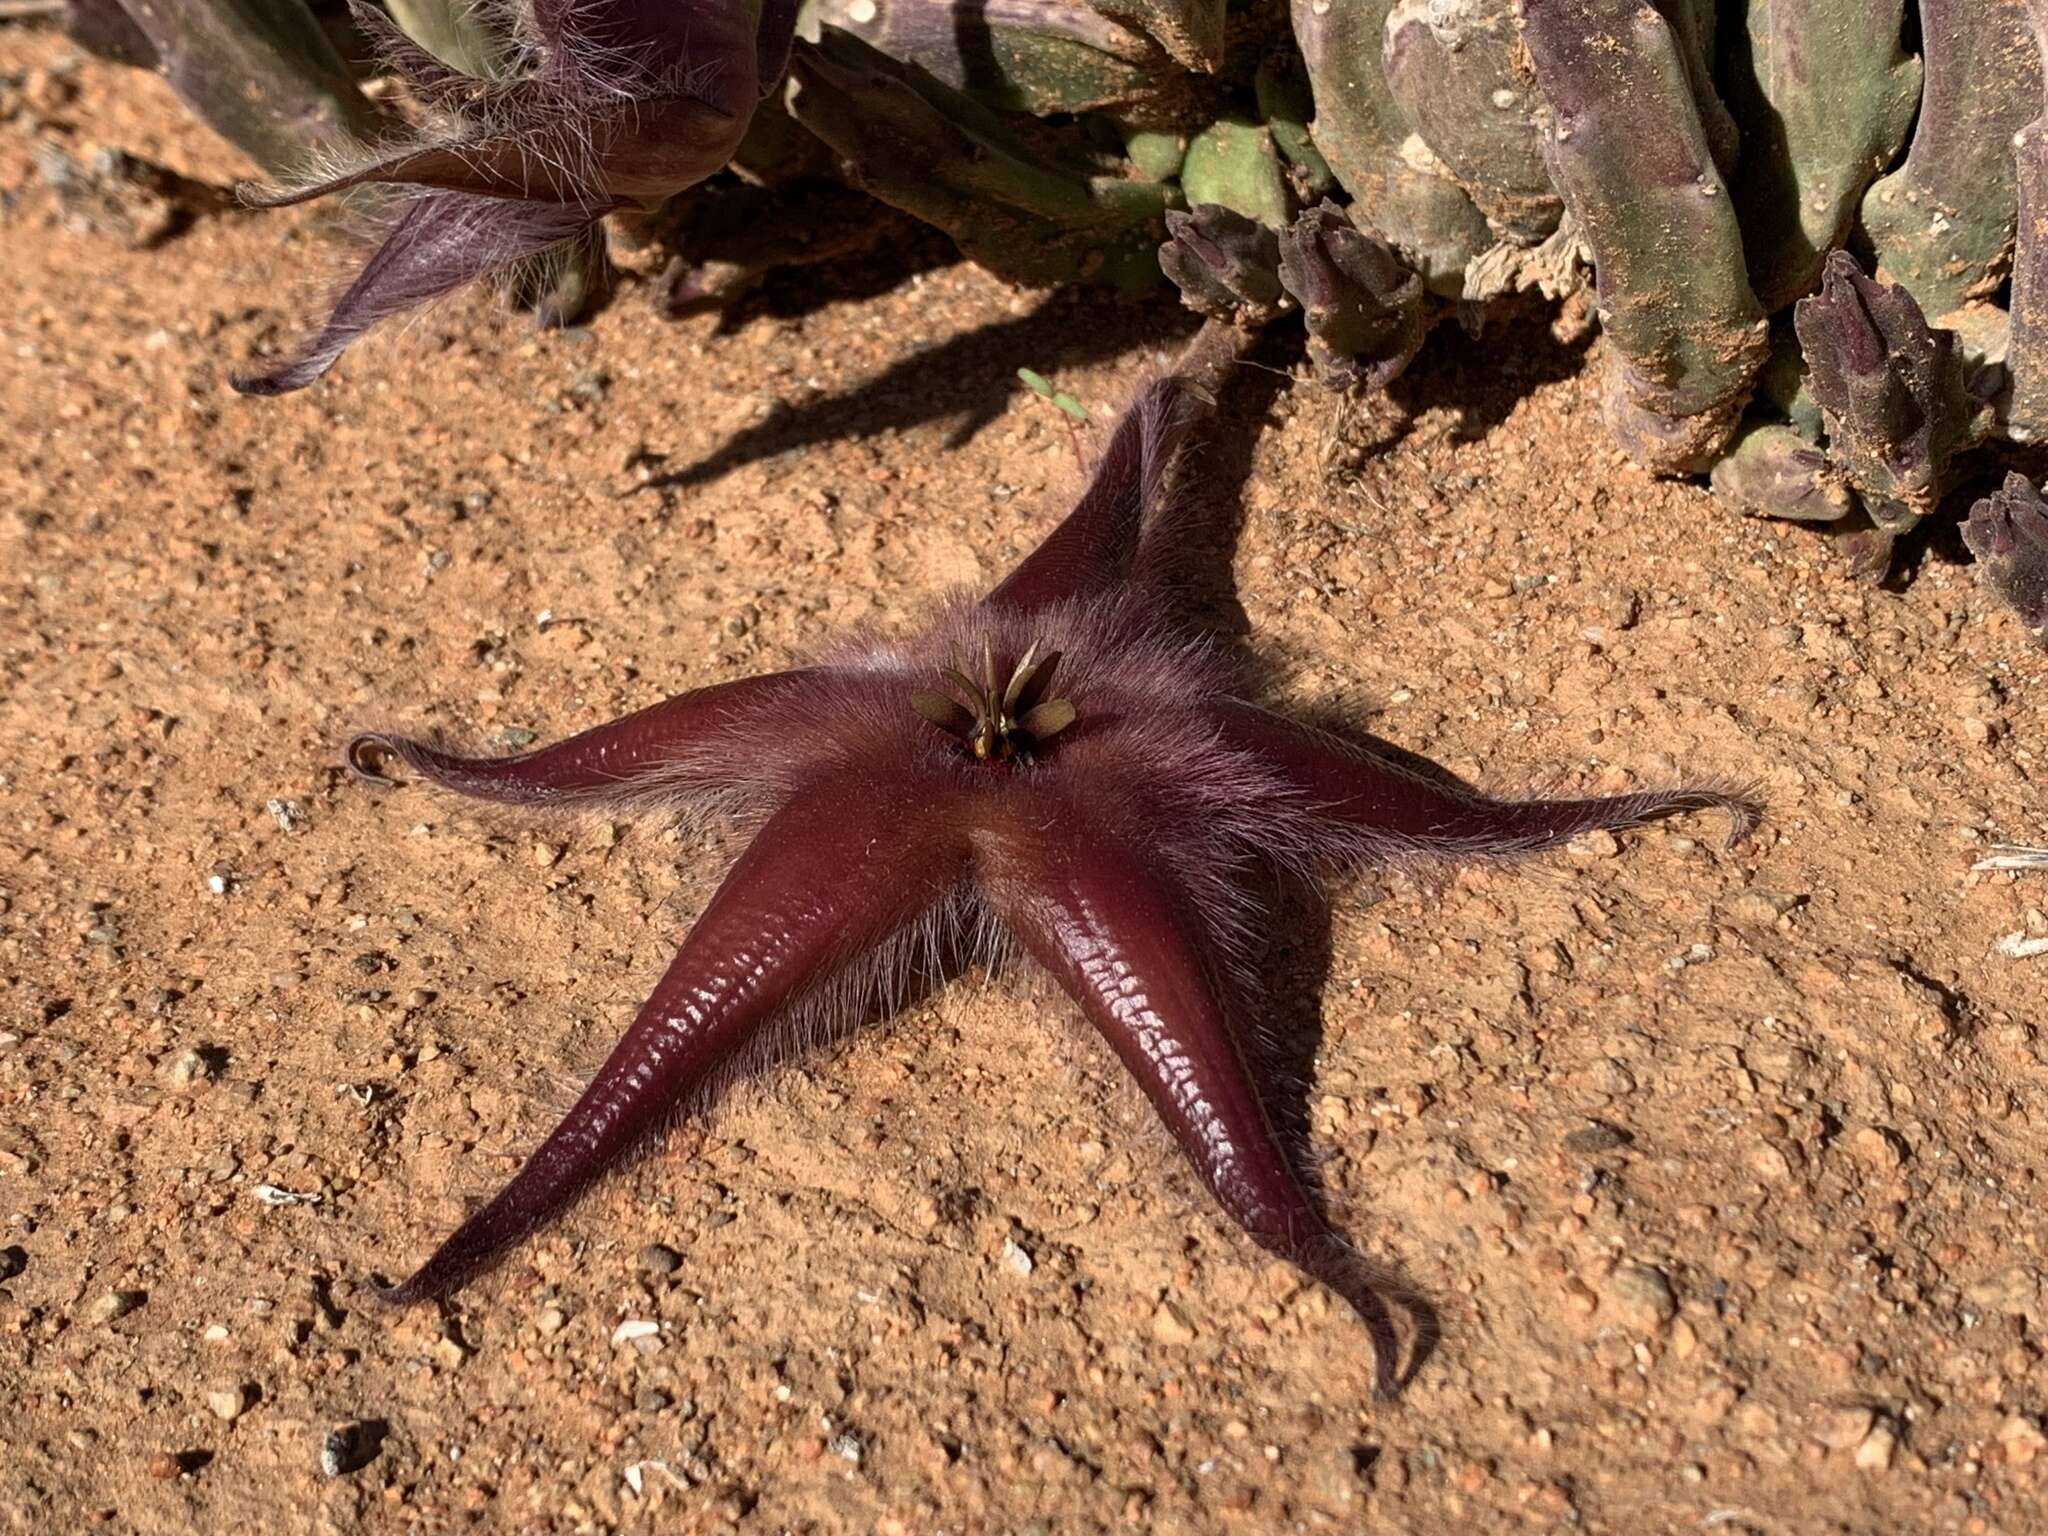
[[1362, 306], [262, 74], [2026, 408], [1404, 192], [1038, 209], [1628, 146], [1942, 223], [1035, 56], [1815, 231], [1227, 266], [1890, 389], [1826, 95]]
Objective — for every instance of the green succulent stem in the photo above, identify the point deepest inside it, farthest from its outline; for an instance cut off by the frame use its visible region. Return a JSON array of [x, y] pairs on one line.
[[1403, 192], [917, 144], [1628, 149], [1826, 95], [261, 73], [1942, 223]]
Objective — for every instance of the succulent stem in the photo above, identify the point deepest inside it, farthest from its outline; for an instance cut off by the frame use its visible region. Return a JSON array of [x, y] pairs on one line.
[[261, 73], [1826, 96], [1942, 223], [1628, 149], [1401, 190]]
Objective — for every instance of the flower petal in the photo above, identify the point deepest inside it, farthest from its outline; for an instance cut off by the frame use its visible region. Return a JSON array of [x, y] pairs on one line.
[[443, 240]]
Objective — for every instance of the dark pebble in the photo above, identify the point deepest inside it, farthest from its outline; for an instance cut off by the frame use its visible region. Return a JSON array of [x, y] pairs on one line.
[[13, 1260], [660, 1259], [350, 1448], [1597, 1137]]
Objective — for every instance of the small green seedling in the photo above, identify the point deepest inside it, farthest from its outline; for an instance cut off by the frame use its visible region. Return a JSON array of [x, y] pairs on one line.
[[1040, 385]]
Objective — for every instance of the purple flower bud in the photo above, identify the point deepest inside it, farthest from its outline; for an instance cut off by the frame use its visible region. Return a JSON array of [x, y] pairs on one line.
[[2008, 533], [1362, 305], [610, 104], [1890, 388], [1225, 264]]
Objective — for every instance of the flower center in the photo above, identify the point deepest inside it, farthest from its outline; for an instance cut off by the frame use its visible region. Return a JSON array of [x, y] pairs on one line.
[[997, 721]]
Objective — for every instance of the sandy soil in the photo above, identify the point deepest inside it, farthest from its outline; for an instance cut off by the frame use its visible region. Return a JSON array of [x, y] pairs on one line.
[[1723, 1169]]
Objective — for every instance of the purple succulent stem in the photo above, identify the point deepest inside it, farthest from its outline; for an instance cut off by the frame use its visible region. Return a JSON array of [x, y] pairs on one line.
[[772, 930], [2008, 533], [2027, 355], [1084, 904], [1890, 388]]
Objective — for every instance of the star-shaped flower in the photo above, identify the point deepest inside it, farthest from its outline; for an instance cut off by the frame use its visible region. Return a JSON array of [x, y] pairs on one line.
[[1063, 770]]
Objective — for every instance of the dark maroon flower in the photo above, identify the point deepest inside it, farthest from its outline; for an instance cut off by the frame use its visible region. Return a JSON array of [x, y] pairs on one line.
[[609, 104], [1065, 772]]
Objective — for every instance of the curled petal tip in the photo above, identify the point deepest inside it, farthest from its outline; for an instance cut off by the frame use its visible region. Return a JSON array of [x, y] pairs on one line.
[[366, 756], [1744, 817]]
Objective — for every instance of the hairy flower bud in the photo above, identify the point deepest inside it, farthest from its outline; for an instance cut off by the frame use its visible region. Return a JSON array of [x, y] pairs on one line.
[[608, 104]]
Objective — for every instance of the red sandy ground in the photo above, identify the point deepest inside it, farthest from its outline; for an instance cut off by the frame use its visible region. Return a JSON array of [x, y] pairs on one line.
[[1827, 1077]]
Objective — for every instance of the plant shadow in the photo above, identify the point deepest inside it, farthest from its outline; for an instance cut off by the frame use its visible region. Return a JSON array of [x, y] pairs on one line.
[[969, 378]]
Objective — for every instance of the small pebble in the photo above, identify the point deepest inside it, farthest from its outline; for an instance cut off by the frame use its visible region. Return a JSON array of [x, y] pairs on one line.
[[847, 1447], [164, 1466], [1841, 1428], [1170, 1325], [13, 1260], [659, 1259], [651, 1400], [1770, 1163], [1880, 1148], [1876, 1452], [349, 1448], [635, 1328], [1642, 1297], [188, 1067], [2022, 1439], [115, 1304], [228, 1403], [1017, 1257], [551, 1320], [1761, 908]]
